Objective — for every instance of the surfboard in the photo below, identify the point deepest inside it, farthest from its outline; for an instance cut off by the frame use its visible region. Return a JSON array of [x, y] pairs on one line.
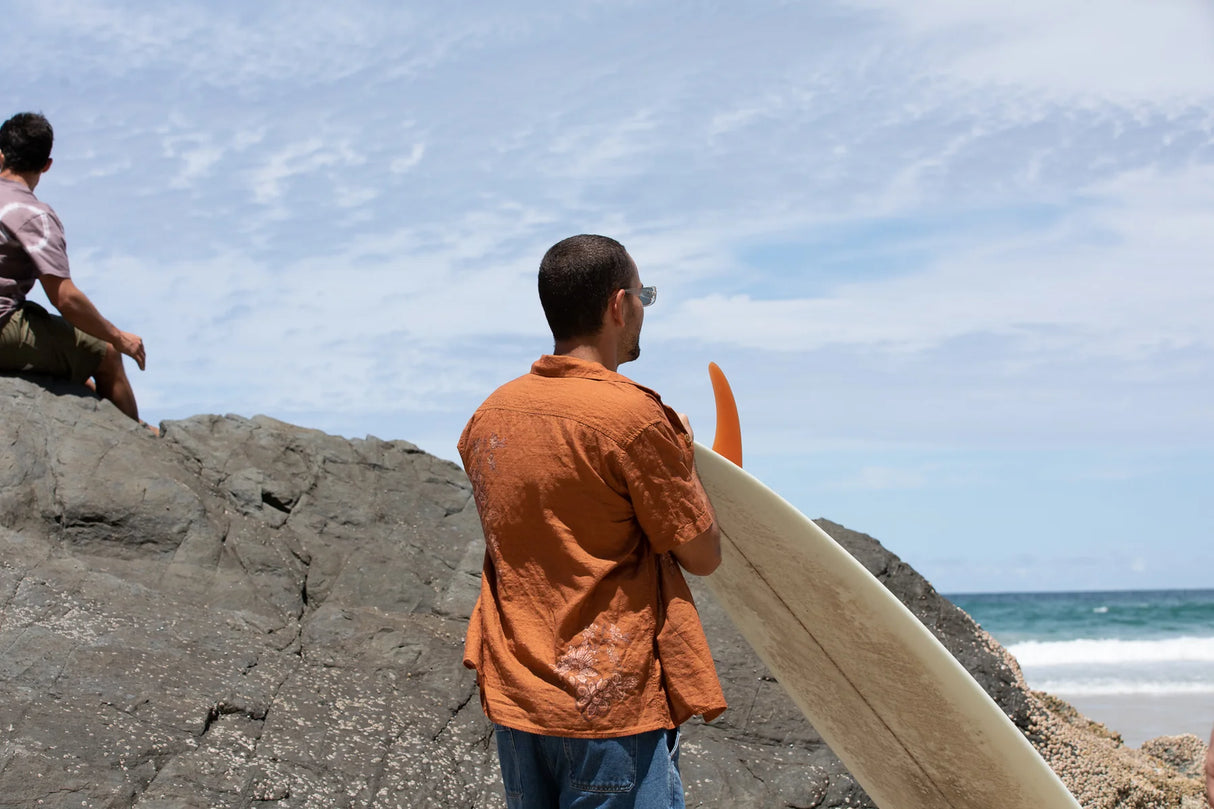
[[906, 719]]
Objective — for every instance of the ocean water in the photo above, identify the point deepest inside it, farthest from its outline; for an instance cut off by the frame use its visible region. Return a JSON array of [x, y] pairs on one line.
[[1141, 662]]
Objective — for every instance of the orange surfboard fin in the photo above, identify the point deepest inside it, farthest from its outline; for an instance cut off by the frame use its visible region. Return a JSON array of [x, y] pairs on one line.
[[728, 440]]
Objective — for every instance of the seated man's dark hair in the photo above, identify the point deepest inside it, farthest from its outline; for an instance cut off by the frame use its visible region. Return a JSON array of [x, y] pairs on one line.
[[577, 277], [25, 142]]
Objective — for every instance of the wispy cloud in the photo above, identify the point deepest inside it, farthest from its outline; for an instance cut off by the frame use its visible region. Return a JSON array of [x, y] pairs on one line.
[[297, 159], [887, 478], [198, 157], [1122, 273], [230, 44], [404, 163], [1120, 51]]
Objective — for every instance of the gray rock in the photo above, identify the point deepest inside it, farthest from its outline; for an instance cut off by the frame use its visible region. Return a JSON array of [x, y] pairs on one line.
[[239, 613], [246, 613]]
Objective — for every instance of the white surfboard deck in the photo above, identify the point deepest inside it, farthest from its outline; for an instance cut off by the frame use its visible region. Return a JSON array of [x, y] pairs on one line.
[[906, 719]]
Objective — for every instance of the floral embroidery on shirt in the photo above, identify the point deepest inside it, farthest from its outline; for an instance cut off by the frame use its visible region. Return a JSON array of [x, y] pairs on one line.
[[587, 667]]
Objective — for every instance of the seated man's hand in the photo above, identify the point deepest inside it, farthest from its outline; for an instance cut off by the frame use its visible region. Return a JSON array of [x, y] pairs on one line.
[[132, 346]]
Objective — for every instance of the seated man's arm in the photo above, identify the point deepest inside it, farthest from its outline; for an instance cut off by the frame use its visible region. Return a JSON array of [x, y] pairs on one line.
[[76, 307]]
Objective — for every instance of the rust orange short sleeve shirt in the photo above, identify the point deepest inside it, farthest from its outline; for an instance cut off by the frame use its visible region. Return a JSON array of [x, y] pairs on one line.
[[584, 627]]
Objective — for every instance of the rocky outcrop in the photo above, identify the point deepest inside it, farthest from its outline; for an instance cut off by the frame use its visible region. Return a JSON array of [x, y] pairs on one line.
[[246, 613]]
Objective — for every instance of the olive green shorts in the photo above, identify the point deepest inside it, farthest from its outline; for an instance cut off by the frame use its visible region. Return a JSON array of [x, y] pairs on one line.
[[34, 341]]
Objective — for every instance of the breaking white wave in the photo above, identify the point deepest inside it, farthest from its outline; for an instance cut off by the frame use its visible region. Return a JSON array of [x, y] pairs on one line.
[[1119, 687], [1114, 652], [1173, 667]]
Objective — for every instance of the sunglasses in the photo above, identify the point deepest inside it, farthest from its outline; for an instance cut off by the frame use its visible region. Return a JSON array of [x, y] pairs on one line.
[[647, 294]]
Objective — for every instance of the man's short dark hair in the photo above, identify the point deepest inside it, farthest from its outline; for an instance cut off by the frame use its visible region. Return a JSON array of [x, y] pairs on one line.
[[577, 278], [25, 141]]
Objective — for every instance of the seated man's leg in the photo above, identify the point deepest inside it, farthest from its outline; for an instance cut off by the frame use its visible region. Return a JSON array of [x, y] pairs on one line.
[[36, 342], [112, 383]]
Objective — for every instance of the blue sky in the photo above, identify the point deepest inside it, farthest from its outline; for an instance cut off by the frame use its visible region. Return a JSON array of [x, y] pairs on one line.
[[954, 256]]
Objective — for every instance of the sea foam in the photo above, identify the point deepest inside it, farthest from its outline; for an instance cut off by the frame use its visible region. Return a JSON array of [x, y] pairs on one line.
[[1114, 651], [1116, 687]]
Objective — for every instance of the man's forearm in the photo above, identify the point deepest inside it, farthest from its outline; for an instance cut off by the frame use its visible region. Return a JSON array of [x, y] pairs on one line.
[[76, 307], [78, 310]]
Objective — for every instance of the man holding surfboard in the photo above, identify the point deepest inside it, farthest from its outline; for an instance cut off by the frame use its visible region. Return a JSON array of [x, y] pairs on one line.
[[588, 650]]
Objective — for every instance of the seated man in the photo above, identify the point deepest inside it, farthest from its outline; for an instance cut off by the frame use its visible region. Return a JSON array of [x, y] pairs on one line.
[[82, 345]]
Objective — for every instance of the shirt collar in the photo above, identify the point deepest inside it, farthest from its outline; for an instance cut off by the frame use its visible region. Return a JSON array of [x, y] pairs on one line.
[[558, 365], [18, 185], [562, 365]]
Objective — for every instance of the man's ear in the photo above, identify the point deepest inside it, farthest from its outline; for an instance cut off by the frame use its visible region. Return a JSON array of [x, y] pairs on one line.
[[47, 167], [615, 307]]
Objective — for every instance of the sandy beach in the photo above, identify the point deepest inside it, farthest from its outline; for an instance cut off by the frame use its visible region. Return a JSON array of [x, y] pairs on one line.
[[1139, 717]]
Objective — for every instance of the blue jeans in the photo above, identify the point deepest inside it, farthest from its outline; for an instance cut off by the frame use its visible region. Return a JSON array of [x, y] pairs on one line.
[[628, 772]]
